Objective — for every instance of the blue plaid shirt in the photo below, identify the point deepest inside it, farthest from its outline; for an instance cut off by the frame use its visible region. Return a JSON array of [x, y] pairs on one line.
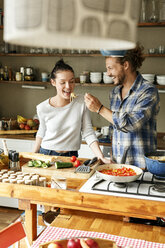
[[134, 121]]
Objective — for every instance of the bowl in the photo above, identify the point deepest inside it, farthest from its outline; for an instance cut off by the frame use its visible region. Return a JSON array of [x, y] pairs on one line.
[[95, 80], [107, 80], [155, 163]]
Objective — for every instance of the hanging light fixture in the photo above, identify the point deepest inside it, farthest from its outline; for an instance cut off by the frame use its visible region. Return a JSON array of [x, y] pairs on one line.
[[72, 24]]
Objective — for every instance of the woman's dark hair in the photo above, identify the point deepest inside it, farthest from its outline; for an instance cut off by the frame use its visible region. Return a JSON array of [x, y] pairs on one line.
[[134, 56], [60, 66]]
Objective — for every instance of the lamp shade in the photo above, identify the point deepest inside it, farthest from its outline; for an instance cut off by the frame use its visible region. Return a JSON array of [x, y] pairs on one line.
[[72, 24]]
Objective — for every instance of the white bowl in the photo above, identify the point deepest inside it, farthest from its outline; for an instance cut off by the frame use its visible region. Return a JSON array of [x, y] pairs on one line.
[[93, 76], [161, 77], [95, 80], [161, 82], [107, 80], [96, 73]]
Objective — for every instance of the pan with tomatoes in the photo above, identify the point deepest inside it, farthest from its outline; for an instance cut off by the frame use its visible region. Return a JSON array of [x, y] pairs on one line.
[[120, 173]]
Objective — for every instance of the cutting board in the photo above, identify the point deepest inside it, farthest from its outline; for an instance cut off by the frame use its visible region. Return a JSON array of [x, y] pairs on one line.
[[17, 131], [103, 243], [66, 173]]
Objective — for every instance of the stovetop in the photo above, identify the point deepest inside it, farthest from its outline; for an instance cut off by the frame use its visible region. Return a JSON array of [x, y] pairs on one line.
[[143, 188]]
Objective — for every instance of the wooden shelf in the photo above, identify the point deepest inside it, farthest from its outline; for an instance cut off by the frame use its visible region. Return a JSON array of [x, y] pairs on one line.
[[51, 54], [66, 55], [154, 55], [151, 24], [39, 83]]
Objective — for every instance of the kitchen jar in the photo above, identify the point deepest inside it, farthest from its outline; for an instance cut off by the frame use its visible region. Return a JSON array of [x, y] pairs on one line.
[[18, 76], [5, 180], [162, 11], [83, 78], [42, 181]]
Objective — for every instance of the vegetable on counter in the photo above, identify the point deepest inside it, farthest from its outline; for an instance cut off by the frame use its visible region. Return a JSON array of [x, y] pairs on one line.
[[62, 165], [39, 164]]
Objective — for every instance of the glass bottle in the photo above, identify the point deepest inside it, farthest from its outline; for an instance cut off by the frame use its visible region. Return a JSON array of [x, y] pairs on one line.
[[162, 11], [143, 12], [6, 73], [154, 12]]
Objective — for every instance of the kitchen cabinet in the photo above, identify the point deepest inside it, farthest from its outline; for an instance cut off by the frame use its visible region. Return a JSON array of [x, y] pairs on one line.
[[20, 145]]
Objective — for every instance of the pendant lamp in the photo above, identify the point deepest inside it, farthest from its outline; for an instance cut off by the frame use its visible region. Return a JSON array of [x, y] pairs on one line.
[[72, 24]]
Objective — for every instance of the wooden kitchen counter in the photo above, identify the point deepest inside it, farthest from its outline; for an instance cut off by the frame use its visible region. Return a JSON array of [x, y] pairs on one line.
[[91, 204]]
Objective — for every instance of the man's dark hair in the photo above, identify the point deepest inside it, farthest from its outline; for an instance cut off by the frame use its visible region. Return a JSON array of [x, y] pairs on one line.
[[60, 66], [134, 56]]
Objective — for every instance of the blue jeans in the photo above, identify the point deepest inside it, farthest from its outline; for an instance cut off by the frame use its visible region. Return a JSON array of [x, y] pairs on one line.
[[54, 153]]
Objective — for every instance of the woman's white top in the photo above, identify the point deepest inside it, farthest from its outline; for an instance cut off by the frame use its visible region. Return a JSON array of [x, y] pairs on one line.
[[62, 128]]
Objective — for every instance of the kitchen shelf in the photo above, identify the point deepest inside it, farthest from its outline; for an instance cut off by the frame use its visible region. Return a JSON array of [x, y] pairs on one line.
[[50, 54], [151, 24], [39, 83], [65, 55]]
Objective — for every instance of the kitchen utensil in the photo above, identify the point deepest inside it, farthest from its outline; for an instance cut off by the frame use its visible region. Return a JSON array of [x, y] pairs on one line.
[[85, 167], [153, 163], [118, 179]]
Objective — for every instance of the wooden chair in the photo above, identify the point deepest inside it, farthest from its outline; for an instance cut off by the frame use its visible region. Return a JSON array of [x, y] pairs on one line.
[[12, 234]]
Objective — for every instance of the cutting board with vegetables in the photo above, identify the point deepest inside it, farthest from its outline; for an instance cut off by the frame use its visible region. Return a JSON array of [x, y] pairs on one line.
[[61, 172]]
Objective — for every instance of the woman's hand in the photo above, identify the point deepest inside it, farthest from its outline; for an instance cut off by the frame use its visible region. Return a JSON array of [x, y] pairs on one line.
[[92, 103]]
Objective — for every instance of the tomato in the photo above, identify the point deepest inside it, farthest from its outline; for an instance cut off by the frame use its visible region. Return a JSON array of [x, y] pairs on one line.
[[73, 159], [77, 163], [73, 243], [119, 172]]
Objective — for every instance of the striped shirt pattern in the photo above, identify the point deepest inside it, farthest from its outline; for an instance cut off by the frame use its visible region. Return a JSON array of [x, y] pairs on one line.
[[134, 119]]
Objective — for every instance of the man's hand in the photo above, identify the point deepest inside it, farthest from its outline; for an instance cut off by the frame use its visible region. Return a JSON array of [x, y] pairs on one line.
[[92, 103]]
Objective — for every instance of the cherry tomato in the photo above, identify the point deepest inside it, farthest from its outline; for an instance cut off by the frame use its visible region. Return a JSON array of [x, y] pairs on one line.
[[77, 163], [73, 159], [119, 172]]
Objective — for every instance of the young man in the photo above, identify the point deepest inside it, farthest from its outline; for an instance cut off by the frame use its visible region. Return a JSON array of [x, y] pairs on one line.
[[134, 105]]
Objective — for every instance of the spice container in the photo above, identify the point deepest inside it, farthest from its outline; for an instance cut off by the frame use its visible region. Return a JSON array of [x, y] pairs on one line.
[[28, 182], [18, 76], [0, 179], [13, 176], [42, 181], [13, 180], [5, 180], [28, 177], [20, 181], [4, 171]]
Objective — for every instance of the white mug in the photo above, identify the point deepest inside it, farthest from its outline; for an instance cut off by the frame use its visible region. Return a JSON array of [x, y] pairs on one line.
[[105, 130]]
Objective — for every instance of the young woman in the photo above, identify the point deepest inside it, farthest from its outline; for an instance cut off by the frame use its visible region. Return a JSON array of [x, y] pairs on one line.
[[63, 122]]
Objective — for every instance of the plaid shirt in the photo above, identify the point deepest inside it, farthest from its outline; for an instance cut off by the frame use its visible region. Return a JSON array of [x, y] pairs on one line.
[[134, 122]]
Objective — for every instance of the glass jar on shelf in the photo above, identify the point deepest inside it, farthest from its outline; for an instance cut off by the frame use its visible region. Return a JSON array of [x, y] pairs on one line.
[[162, 11], [143, 12], [153, 10]]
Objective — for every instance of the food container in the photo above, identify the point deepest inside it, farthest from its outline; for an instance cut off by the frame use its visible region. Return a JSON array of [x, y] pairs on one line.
[[155, 163]]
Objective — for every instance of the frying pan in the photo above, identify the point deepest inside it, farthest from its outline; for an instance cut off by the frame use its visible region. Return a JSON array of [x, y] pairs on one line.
[[155, 162], [118, 179]]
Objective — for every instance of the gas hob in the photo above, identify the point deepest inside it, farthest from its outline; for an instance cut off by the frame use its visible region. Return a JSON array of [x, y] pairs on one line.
[[146, 187]]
